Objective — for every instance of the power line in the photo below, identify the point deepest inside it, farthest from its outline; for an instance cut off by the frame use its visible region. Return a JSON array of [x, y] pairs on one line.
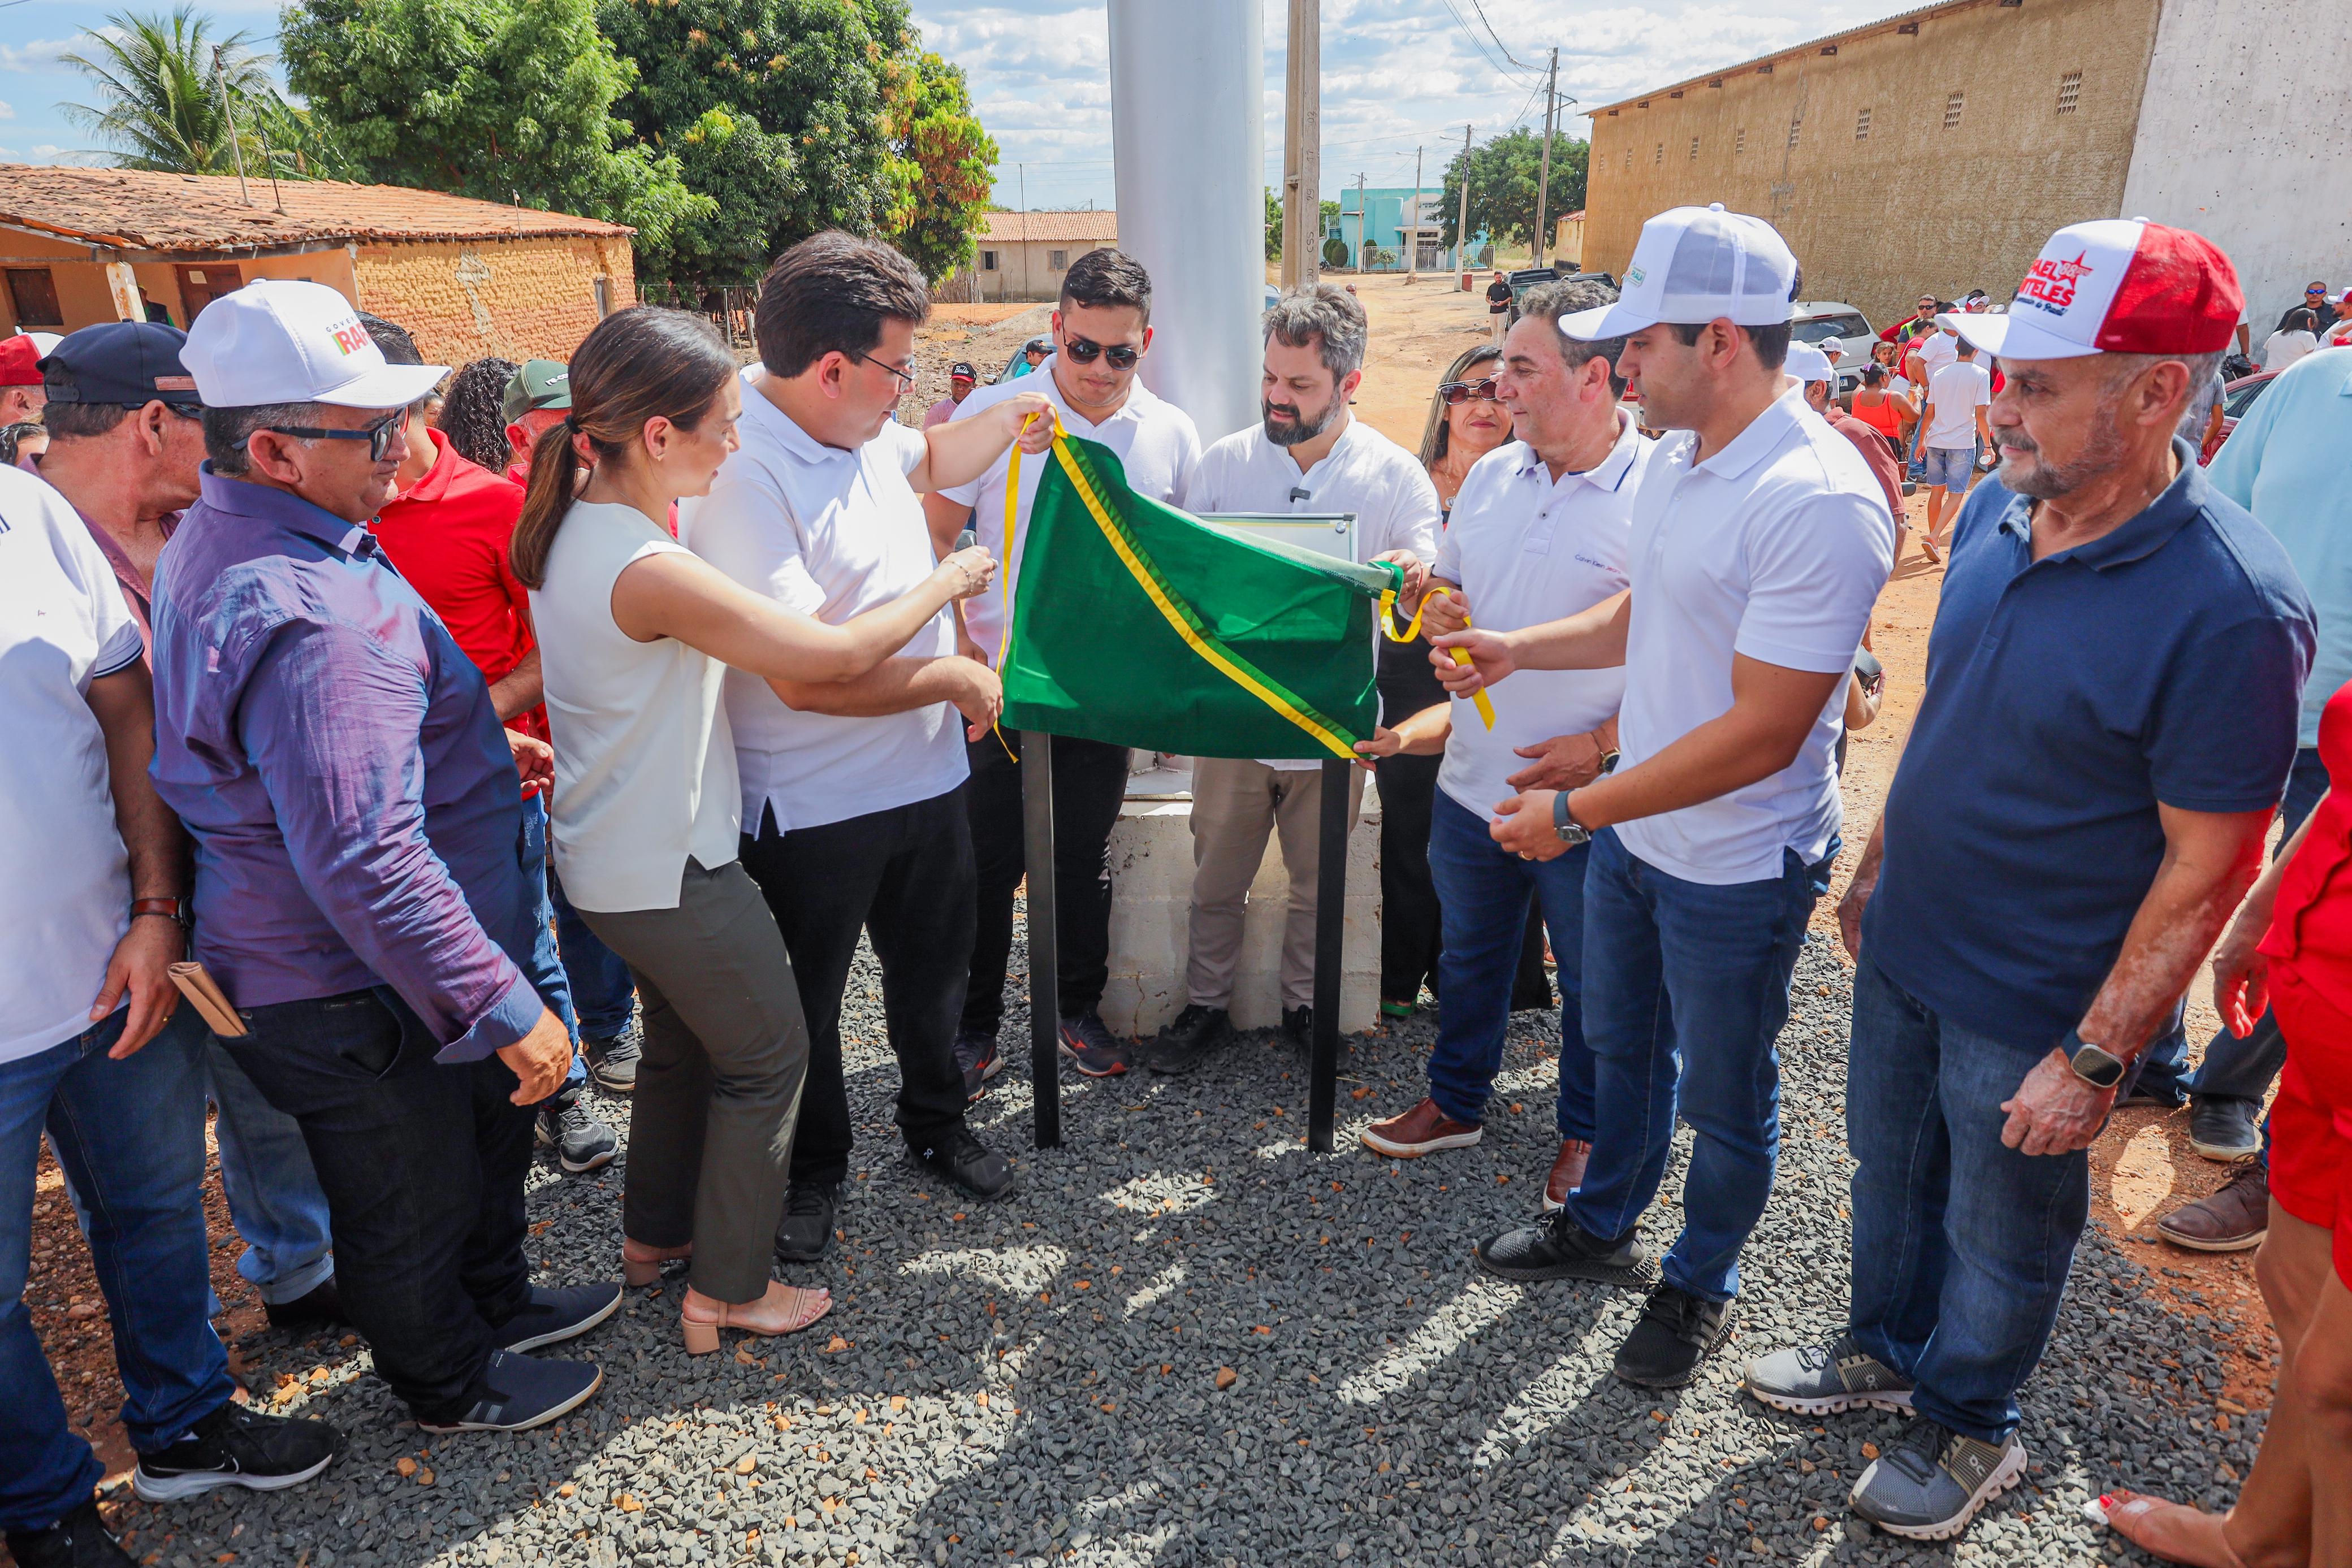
[[1478, 44], [1498, 42]]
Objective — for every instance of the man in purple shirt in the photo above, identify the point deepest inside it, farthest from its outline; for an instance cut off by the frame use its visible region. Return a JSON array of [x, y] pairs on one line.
[[358, 892]]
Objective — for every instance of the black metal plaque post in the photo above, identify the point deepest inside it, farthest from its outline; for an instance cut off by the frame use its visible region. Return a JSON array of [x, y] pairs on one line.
[[1045, 968], [1330, 928]]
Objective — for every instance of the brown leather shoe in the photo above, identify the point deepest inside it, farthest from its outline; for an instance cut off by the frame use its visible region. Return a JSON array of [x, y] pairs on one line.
[[1423, 1130], [1567, 1172], [2234, 1218]]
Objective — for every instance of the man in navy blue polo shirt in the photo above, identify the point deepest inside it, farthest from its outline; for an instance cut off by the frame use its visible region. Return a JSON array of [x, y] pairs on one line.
[[2113, 684]]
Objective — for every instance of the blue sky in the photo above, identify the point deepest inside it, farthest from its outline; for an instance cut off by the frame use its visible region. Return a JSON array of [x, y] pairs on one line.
[[1396, 73]]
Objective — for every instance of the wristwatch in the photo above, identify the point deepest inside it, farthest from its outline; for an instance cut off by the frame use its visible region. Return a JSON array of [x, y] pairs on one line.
[[172, 909], [1572, 832], [2094, 1064]]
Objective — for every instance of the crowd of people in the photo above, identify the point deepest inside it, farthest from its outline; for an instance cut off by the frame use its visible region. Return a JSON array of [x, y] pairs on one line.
[[405, 748]]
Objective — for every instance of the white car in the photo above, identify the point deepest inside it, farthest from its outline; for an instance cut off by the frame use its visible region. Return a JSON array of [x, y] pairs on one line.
[[1817, 320]]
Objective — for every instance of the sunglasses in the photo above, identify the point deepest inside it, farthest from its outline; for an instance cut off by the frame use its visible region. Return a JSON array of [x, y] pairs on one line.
[[1123, 356], [1458, 392], [377, 436]]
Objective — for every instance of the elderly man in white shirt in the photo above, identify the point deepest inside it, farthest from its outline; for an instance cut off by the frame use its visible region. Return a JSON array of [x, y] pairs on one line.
[[1102, 329], [1541, 526], [1309, 454], [1760, 543]]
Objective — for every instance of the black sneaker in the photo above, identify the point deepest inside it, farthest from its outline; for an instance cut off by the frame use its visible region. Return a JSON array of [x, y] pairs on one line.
[[806, 1230], [977, 1058], [613, 1062], [1674, 1333], [2223, 1129], [967, 1161], [323, 1304], [581, 1142], [1557, 1248], [79, 1540], [1092, 1048], [556, 1314], [1298, 1026], [1197, 1033], [521, 1391], [237, 1446], [1933, 1480]]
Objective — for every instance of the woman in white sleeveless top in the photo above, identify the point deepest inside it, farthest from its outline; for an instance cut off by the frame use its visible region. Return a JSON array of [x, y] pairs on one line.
[[634, 634]]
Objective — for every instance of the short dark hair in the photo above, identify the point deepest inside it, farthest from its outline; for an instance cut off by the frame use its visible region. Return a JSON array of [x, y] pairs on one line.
[[76, 420], [830, 294], [1771, 343], [1324, 317], [399, 348], [226, 430], [1964, 349], [1565, 296], [1106, 278], [2303, 318]]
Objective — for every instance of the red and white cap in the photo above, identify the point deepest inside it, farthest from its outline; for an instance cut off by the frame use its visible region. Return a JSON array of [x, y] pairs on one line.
[[1695, 264], [2117, 286], [279, 340]]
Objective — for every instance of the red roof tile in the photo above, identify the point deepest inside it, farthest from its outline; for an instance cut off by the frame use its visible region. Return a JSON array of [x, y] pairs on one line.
[[1011, 229]]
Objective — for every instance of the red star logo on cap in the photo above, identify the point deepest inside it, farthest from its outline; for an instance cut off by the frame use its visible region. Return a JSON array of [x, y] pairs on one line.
[[2072, 271]]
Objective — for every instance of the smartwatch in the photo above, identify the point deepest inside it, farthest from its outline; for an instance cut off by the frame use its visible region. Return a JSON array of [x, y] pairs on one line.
[[2094, 1064], [1572, 832]]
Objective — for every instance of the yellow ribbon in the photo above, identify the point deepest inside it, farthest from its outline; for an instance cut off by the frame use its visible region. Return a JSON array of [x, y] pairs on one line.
[[1388, 624]]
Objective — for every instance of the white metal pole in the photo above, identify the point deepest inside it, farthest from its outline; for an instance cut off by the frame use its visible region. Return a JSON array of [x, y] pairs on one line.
[[1412, 227]]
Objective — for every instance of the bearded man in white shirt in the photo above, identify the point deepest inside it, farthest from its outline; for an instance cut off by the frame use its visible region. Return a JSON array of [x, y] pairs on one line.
[[1310, 454]]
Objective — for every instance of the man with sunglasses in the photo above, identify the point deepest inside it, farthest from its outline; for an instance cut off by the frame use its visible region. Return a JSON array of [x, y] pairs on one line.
[[2315, 300], [359, 897], [1102, 329]]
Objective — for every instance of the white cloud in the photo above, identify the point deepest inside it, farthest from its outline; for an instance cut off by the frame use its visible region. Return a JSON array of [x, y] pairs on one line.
[[6, 113], [39, 55]]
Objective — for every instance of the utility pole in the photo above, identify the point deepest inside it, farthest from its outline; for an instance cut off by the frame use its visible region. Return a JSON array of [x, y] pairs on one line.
[[1543, 176], [1024, 170], [1302, 147], [228, 109], [1412, 227], [1363, 218], [1462, 223]]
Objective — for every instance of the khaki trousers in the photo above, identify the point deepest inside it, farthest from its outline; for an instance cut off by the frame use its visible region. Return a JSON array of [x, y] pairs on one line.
[[1234, 804]]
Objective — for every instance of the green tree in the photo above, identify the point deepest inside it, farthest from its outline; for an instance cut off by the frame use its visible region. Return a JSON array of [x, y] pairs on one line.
[[1504, 176], [509, 101], [163, 105], [945, 163], [1272, 226]]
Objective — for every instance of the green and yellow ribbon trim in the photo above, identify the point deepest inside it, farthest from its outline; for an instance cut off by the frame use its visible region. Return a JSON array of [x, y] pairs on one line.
[[1388, 626]]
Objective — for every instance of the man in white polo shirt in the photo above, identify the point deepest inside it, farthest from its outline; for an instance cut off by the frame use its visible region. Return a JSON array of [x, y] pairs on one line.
[[1308, 454], [1101, 332], [1955, 420], [853, 806], [1760, 543], [1541, 526]]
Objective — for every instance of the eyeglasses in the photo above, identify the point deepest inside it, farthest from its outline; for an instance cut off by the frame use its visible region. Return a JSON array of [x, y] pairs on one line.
[[903, 375], [1458, 392], [377, 436], [1123, 356]]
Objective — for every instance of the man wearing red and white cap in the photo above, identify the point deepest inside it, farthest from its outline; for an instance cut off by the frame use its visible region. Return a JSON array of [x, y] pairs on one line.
[[2113, 687], [1759, 541], [22, 396]]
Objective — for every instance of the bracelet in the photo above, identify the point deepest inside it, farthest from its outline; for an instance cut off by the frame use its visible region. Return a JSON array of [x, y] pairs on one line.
[[175, 910]]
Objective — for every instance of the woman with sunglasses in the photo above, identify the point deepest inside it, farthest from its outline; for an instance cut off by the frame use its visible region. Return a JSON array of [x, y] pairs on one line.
[[636, 634], [1465, 422]]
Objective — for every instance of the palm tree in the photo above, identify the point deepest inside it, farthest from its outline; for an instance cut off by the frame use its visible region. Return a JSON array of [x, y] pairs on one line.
[[165, 104]]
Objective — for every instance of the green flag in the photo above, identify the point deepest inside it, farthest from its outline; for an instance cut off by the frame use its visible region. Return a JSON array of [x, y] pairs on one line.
[[1136, 624]]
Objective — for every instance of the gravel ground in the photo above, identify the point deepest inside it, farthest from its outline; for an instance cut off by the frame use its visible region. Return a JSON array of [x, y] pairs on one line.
[[1185, 1341]]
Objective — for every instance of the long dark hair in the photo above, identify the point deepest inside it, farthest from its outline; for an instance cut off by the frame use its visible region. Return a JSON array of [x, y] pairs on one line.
[[1437, 435], [644, 362], [474, 415]]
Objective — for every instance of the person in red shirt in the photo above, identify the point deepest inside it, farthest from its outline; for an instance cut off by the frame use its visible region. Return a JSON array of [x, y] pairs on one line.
[[1812, 367], [2293, 941], [446, 529]]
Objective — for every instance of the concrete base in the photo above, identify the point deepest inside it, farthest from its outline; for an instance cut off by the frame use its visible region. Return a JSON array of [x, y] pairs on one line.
[[1151, 869]]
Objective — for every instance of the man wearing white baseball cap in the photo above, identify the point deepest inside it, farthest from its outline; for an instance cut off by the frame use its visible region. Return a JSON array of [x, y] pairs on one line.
[[2113, 687], [1760, 543], [358, 892]]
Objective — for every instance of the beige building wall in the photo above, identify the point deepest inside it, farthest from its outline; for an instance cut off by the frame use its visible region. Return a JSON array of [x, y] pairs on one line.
[[1930, 196], [517, 300], [1024, 269]]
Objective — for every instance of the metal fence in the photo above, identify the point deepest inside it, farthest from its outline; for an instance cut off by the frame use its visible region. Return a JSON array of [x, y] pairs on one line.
[[727, 305]]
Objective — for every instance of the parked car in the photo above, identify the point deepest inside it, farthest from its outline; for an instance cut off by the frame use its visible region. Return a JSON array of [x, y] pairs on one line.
[[2236, 398], [1816, 319]]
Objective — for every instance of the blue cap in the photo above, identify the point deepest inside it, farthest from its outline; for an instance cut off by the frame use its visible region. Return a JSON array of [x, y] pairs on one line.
[[127, 362]]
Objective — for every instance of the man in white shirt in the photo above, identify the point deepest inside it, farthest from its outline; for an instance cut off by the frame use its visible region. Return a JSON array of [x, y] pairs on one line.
[[1308, 454], [1929, 353], [853, 792], [1760, 543], [1959, 393], [1539, 526], [1102, 329]]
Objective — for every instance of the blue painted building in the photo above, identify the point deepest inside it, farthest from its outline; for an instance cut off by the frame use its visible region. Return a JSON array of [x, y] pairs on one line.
[[1379, 224]]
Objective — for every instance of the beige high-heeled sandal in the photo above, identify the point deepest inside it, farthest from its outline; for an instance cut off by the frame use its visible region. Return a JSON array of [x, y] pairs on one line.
[[702, 1334], [642, 1265]]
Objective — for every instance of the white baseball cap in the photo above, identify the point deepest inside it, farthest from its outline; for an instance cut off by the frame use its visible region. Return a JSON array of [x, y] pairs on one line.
[[1807, 363], [2117, 286], [1695, 264], [279, 340]]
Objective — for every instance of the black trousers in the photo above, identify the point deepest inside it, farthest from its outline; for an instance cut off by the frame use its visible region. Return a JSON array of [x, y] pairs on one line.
[[1089, 783], [423, 1164], [905, 877]]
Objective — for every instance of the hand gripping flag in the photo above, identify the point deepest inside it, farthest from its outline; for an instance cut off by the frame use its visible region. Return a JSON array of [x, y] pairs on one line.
[[1134, 624]]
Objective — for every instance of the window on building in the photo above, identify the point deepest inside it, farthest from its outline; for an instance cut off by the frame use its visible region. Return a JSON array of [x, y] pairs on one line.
[[1628, 159], [33, 294], [1794, 125], [2070, 92], [1057, 260], [1694, 157], [604, 287], [988, 261], [1952, 107], [1739, 142], [1862, 124], [1661, 157]]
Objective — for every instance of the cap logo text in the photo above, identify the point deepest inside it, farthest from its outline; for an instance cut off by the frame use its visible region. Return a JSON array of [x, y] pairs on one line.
[[2051, 285], [351, 338]]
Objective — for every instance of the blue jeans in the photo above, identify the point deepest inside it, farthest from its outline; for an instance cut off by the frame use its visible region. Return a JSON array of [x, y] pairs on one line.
[[130, 1135], [601, 987], [1961, 1246], [1686, 988], [1951, 467], [546, 968], [1483, 890], [273, 1194]]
